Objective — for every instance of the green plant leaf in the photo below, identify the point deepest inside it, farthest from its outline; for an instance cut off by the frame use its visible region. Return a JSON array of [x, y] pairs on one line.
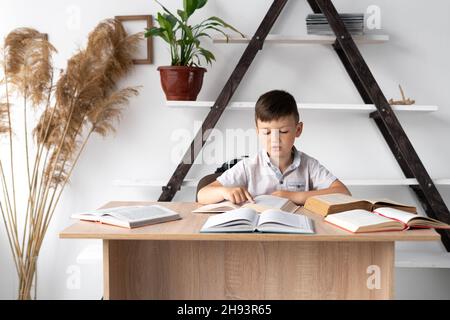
[[182, 15], [156, 32], [171, 19], [189, 7], [201, 3], [166, 27], [224, 24]]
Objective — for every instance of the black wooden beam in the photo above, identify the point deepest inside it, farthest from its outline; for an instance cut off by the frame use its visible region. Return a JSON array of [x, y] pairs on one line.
[[371, 92], [424, 201], [222, 101]]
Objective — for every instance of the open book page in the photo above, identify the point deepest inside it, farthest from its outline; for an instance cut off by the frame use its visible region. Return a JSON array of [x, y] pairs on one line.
[[412, 220], [264, 202], [238, 220], [273, 220], [363, 221], [336, 198], [216, 207], [395, 214], [261, 203], [141, 213], [96, 214], [378, 203]]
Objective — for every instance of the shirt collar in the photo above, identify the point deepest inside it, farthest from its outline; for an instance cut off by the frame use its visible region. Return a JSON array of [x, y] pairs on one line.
[[295, 163]]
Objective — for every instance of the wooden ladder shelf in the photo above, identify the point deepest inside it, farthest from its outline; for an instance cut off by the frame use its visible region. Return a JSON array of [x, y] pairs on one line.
[[369, 90]]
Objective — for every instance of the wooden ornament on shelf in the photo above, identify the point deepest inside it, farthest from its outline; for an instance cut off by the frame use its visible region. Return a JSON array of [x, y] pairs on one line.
[[149, 41], [404, 101]]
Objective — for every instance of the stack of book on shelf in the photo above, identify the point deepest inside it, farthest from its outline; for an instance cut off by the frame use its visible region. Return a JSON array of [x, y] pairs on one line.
[[129, 217], [317, 23], [363, 215]]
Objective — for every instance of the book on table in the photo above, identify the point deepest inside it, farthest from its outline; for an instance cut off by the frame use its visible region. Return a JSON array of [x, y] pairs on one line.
[[338, 202], [250, 220], [261, 203], [381, 219], [129, 217]]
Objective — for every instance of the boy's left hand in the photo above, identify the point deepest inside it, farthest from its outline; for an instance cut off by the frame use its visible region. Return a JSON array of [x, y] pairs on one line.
[[298, 197], [282, 194]]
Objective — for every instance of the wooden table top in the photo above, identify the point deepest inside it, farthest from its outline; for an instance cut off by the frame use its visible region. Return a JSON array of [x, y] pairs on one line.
[[188, 229]]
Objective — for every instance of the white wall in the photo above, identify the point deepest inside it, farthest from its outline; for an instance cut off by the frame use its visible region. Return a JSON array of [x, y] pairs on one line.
[[348, 143]]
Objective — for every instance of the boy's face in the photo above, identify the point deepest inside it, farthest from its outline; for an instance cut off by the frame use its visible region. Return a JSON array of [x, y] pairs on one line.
[[278, 136]]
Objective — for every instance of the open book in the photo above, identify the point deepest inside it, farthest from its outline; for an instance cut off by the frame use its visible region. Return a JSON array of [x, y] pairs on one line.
[[338, 202], [262, 202], [249, 220], [382, 219], [129, 217]]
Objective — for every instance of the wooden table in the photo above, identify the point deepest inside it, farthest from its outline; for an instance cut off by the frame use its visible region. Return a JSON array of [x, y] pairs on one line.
[[174, 261]]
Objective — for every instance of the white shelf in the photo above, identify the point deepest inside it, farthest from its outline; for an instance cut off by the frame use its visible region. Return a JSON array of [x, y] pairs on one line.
[[421, 259], [391, 182], [151, 183], [91, 254], [304, 39], [194, 182], [302, 106]]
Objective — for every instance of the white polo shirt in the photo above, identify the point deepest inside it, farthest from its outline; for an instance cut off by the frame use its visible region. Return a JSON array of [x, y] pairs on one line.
[[261, 176]]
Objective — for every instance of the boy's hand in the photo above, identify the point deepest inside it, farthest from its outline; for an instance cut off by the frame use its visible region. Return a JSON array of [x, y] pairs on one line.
[[236, 194], [282, 194], [299, 197]]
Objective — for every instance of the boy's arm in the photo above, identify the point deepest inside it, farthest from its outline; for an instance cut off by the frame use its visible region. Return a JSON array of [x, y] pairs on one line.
[[216, 192], [299, 197]]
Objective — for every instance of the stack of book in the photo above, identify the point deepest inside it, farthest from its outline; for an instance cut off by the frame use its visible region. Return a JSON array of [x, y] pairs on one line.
[[317, 23]]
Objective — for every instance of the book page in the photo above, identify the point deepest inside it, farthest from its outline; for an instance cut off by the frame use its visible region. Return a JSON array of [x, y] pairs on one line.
[[280, 217], [101, 212], [264, 202], [336, 198], [387, 201], [273, 220], [354, 219], [216, 207], [396, 214], [243, 216], [141, 213]]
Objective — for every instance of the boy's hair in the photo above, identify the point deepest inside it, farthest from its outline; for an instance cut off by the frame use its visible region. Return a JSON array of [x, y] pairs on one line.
[[274, 105]]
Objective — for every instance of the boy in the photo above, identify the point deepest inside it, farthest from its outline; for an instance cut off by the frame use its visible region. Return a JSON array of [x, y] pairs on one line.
[[279, 169]]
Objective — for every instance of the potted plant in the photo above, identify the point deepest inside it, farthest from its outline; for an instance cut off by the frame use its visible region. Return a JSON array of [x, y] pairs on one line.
[[183, 79]]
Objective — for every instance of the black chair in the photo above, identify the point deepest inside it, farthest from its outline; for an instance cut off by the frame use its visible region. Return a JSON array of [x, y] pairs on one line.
[[213, 176]]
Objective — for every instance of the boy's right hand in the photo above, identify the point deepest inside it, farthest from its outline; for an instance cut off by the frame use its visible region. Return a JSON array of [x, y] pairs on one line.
[[236, 194]]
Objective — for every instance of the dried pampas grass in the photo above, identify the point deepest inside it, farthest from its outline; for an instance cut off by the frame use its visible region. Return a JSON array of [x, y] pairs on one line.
[[83, 101]]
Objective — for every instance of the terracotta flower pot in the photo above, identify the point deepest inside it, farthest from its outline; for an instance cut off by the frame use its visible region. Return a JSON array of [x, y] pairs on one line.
[[180, 82]]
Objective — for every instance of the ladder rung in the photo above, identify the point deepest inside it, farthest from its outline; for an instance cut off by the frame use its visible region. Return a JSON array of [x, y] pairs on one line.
[[302, 106], [304, 39]]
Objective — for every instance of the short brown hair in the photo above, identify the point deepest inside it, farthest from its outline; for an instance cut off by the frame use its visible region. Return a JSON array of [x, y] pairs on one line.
[[274, 105]]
